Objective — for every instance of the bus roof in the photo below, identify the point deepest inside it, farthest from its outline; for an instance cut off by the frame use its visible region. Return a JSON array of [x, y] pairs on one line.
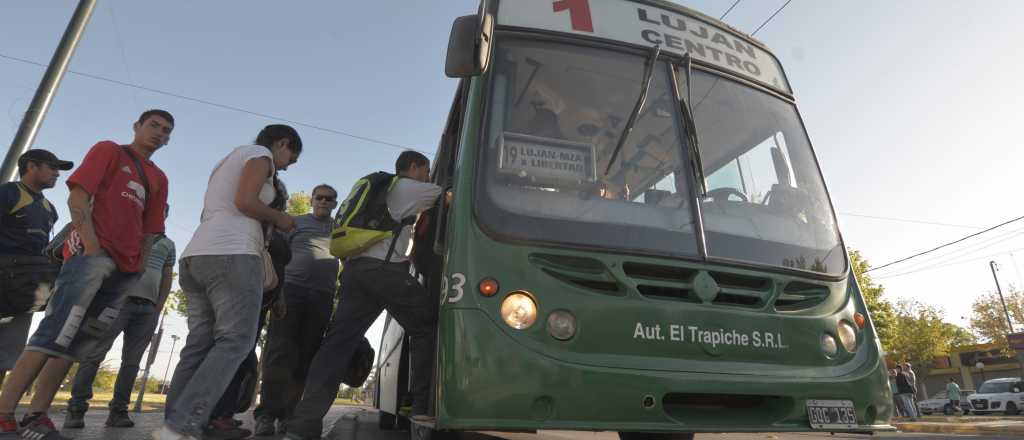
[[648, 22]]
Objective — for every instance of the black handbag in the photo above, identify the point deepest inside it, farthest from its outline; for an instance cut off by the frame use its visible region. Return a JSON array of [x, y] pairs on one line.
[[360, 366]]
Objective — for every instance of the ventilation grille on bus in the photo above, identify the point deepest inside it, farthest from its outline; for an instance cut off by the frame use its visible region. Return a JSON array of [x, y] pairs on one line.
[[586, 273], [741, 290], [799, 295], [732, 409], [662, 282]]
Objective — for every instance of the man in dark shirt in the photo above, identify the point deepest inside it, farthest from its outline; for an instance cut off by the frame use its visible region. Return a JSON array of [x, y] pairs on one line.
[[26, 219], [292, 340], [906, 390]]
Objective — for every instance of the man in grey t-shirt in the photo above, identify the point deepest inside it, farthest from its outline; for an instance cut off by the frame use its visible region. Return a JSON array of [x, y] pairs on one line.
[[310, 283], [137, 319]]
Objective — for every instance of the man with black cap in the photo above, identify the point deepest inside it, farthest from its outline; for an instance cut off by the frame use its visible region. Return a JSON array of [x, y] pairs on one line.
[[26, 219]]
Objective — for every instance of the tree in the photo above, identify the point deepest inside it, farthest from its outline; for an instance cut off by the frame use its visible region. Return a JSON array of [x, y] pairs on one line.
[[921, 335], [881, 311], [989, 320], [176, 302], [299, 204], [960, 336]]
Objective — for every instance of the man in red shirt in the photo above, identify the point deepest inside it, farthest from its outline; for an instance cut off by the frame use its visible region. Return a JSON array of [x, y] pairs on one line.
[[117, 203]]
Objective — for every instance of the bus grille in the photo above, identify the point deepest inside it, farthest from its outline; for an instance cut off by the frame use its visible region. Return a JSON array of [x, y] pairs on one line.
[[741, 290], [675, 283], [586, 273], [662, 282], [799, 296]]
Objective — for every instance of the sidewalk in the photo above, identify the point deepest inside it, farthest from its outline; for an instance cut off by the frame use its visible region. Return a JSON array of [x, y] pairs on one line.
[[147, 422], [1004, 426]]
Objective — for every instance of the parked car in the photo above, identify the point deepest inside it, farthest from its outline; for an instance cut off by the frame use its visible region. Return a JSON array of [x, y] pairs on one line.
[[939, 403], [995, 395]]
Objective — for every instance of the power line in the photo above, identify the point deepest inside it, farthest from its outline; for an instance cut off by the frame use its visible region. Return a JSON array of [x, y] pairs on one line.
[[968, 250], [906, 220], [945, 245], [729, 10], [953, 263], [956, 257], [770, 18], [120, 44], [224, 106]]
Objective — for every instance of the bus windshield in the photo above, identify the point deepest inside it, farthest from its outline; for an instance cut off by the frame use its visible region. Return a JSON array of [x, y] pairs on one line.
[[766, 200], [557, 112]]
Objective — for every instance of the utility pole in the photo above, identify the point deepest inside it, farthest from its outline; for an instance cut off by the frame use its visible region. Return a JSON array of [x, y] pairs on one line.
[[174, 340], [33, 119], [1006, 311], [154, 347], [1009, 324]]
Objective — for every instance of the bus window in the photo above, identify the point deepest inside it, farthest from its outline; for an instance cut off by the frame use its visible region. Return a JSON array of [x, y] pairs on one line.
[[767, 202], [556, 114]]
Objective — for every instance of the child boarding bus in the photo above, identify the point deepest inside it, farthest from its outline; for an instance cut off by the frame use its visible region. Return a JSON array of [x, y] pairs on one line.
[[640, 239]]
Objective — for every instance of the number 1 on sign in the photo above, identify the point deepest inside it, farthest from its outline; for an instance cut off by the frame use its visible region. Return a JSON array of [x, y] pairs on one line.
[[579, 13]]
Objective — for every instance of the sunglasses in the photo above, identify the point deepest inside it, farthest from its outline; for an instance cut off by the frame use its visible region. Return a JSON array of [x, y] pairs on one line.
[[324, 198]]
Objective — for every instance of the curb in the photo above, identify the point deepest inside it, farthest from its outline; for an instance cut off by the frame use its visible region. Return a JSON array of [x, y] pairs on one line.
[[1013, 429]]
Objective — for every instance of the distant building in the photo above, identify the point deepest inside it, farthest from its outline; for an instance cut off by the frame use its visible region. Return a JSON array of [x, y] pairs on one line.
[[962, 364]]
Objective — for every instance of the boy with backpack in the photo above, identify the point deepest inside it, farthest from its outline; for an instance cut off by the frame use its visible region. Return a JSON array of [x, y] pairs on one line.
[[373, 231]]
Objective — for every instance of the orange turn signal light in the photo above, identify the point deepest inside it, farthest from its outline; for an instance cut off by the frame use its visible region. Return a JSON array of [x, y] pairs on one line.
[[858, 318], [488, 287]]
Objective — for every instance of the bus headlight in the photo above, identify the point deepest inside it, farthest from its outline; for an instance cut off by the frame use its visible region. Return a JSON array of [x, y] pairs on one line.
[[561, 325], [518, 310], [847, 335], [828, 345]]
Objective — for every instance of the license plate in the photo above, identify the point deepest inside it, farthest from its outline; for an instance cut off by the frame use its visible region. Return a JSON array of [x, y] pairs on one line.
[[831, 414]]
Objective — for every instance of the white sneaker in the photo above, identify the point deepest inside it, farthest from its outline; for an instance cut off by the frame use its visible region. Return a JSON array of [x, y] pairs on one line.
[[166, 433]]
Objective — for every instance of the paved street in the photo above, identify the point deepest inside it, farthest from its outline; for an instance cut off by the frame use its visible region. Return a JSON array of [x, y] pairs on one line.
[[356, 423]]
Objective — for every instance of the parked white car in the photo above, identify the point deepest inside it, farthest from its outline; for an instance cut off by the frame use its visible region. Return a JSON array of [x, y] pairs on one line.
[[999, 395], [939, 403]]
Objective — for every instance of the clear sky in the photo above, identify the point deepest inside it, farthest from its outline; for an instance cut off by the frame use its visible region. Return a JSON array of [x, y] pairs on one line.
[[912, 106]]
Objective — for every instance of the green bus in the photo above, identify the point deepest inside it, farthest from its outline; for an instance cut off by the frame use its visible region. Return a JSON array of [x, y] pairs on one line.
[[640, 239]]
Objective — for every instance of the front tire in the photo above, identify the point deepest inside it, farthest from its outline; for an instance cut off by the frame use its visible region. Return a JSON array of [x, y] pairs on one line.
[[656, 436], [1011, 409]]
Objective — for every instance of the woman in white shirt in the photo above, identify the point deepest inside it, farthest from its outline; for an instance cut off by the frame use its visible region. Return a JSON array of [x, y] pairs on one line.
[[221, 272]]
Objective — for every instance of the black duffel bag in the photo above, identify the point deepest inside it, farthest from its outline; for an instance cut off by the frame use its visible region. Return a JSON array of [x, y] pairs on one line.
[[360, 366], [26, 283]]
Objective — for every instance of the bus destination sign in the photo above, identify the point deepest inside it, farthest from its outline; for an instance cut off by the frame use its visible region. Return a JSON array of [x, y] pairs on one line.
[[644, 25], [544, 160]]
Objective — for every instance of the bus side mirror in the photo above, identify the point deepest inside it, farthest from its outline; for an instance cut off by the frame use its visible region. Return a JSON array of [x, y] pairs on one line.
[[469, 46]]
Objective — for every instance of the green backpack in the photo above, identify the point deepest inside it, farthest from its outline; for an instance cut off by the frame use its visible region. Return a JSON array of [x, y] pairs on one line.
[[363, 218]]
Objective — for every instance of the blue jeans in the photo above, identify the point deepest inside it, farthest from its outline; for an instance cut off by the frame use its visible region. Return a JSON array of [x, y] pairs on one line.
[[224, 293], [89, 294], [138, 319], [909, 409], [13, 334]]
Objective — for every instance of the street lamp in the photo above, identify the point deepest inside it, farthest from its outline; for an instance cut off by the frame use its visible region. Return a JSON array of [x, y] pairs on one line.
[[174, 340], [981, 367]]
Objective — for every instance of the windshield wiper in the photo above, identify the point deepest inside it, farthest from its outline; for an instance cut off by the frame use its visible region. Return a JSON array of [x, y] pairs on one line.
[[648, 76], [691, 131]]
